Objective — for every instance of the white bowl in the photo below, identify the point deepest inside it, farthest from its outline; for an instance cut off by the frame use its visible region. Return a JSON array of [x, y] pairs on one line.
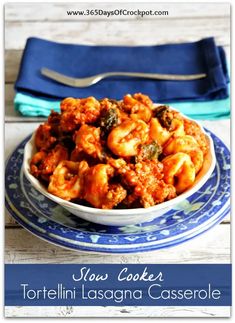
[[119, 217]]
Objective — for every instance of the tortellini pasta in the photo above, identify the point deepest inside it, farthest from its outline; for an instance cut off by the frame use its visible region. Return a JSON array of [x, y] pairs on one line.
[[117, 154]]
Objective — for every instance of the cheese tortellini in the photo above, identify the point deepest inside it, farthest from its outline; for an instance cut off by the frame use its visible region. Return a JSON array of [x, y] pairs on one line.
[[118, 154]]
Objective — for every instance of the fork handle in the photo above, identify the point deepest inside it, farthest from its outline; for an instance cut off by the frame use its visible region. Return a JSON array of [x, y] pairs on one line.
[[169, 77], [88, 81]]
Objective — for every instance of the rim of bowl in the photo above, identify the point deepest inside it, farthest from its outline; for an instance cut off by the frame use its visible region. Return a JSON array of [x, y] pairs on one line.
[[30, 148]]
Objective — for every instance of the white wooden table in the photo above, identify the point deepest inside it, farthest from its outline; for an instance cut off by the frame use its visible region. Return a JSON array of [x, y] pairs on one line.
[[186, 22]]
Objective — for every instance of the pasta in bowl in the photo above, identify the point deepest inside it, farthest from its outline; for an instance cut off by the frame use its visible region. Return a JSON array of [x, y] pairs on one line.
[[118, 162]]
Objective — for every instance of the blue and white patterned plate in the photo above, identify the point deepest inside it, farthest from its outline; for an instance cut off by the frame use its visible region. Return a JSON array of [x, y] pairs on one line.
[[47, 220]]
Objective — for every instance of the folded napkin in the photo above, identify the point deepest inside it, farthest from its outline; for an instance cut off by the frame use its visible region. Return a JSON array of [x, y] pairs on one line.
[[80, 61], [212, 110], [33, 106]]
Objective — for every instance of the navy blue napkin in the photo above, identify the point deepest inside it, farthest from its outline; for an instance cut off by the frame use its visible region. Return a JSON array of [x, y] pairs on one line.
[[81, 61]]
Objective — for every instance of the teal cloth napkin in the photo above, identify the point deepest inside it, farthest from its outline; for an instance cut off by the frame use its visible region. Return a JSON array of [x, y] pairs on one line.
[[209, 110], [34, 107]]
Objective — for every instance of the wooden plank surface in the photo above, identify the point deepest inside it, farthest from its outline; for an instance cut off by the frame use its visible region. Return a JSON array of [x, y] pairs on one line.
[[15, 133], [116, 33], [12, 63], [58, 11], [185, 22], [116, 311], [212, 247], [10, 114]]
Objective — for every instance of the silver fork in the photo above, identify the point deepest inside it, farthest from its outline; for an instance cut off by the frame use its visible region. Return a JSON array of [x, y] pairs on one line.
[[88, 81]]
